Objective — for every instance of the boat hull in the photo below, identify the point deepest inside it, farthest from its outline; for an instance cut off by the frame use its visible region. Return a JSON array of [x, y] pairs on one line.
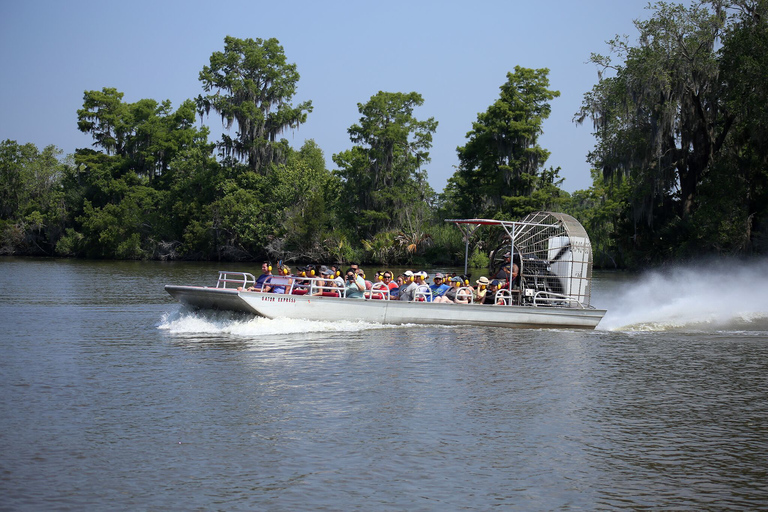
[[202, 297], [385, 312]]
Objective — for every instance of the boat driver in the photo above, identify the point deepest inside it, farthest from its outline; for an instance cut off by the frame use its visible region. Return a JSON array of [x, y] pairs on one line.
[[508, 271]]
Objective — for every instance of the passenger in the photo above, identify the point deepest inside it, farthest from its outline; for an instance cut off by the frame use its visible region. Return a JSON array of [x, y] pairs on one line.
[[355, 285], [408, 290], [386, 278], [326, 287], [337, 278], [266, 272], [302, 285], [438, 288], [515, 276], [283, 284], [379, 293], [446, 298], [394, 292], [482, 289], [490, 295], [368, 284], [449, 297], [450, 294], [465, 296], [423, 292]]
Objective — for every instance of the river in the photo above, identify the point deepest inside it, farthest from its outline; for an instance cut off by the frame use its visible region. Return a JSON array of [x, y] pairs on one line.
[[114, 397]]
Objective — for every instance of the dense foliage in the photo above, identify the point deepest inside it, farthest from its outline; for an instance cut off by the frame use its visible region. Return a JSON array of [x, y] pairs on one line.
[[501, 166], [680, 124], [681, 161], [251, 83]]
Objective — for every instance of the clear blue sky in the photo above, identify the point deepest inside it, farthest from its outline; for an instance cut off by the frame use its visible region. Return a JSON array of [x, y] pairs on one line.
[[455, 54]]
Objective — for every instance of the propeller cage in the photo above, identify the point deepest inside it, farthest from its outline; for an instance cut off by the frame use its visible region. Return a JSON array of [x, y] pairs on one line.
[[554, 254]]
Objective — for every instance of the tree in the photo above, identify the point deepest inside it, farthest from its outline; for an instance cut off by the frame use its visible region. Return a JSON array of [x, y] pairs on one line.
[[502, 158], [658, 117], [122, 199], [383, 182], [743, 168], [599, 209], [32, 209], [147, 134], [302, 192], [104, 116], [681, 121], [251, 83]]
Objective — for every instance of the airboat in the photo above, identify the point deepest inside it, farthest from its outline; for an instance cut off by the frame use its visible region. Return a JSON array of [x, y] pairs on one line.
[[551, 251]]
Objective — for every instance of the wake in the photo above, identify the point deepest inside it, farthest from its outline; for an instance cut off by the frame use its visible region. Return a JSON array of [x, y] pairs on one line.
[[184, 321], [716, 295]]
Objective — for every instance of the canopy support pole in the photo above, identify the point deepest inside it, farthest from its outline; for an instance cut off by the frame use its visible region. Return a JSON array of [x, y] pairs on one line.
[[468, 232]]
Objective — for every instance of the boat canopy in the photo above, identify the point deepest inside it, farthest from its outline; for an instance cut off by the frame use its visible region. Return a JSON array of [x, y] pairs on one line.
[[552, 251]]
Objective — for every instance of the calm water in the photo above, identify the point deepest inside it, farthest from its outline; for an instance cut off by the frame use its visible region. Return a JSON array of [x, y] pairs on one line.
[[113, 397]]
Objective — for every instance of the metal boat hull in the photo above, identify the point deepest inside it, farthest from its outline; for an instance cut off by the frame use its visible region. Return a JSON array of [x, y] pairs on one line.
[[385, 312], [202, 297]]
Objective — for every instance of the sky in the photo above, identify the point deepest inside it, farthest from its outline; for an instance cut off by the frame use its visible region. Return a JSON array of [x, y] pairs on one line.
[[455, 54]]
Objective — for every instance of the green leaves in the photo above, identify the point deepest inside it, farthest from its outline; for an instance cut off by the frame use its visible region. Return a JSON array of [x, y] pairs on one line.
[[147, 135], [502, 158], [383, 183], [32, 210], [680, 130], [250, 83]]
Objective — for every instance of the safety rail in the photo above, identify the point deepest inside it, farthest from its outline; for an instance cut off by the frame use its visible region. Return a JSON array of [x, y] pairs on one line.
[[379, 291], [286, 283], [225, 276], [465, 293], [306, 286], [318, 286], [423, 294], [544, 298], [503, 296]]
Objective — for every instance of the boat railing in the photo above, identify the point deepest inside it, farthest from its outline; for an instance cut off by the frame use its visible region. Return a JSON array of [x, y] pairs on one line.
[[314, 286], [465, 293], [544, 298], [423, 294], [286, 283], [318, 285], [239, 279], [503, 296], [379, 291]]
